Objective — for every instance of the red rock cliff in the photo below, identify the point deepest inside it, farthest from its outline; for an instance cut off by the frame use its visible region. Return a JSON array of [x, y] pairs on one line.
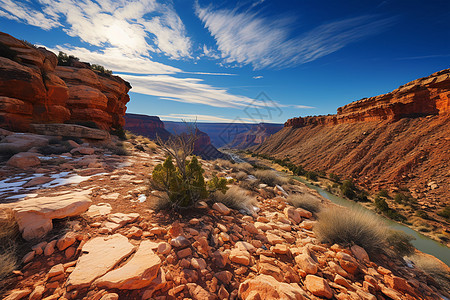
[[33, 89], [421, 97]]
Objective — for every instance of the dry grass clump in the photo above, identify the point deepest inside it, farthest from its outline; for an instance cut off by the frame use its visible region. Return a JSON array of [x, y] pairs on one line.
[[9, 232], [241, 176], [270, 177], [245, 167], [351, 226], [305, 201], [251, 185], [435, 268], [223, 163], [236, 198]]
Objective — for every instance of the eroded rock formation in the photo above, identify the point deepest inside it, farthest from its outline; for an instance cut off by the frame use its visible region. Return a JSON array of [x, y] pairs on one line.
[[33, 89], [421, 97]]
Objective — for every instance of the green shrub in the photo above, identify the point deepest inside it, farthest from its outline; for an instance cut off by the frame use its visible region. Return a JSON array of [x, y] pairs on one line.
[[311, 175], [119, 132], [184, 188], [348, 192], [381, 204], [334, 177], [362, 196], [401, 198], [217, 184], [305, 201], [66, 60], [400, 243], [100, 69], [351, 226], [383, 193]]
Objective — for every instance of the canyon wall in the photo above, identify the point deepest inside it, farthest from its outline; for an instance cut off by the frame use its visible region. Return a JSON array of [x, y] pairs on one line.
[[400, 139], [152, 127], [33, 89], [421, 97], [254, 136]]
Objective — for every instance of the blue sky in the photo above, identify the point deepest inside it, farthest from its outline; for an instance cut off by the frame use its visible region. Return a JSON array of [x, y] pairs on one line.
[[250, 61]]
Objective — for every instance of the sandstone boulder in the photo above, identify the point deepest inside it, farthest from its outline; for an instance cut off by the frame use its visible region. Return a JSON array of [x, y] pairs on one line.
[[71, 130], [318, 286], [267, 287], [34, 216], [99, 255], [137, 273], [24, 160]]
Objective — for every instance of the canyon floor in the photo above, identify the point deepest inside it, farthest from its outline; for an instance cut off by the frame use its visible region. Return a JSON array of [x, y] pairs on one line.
[[90, 233]]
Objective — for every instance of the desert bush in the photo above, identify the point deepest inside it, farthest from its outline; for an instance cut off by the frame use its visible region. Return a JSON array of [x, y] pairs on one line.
[[119, 132], [383, 193], [245, 167], [223, 163], [100, 69], [236, 198], [362, 196], [118, 149], [383, 206], [9, 233], [241, 175], [311, 175], [334, 177], [183, 187], [435, 268], [66, 60], [400, 243], [217, 184], [348, 189], [350, 226], [270, 177], [251, 185], [445, 213], [305, 201]]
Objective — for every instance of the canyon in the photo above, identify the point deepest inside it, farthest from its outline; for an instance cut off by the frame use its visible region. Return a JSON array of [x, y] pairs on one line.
[[396, 141]]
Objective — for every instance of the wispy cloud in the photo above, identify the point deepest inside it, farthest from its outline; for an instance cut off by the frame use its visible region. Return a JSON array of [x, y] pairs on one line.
[[257, 77], [302, 106], [248, 38], [188, 90], [132, 27], [202, 118], [424, 57]]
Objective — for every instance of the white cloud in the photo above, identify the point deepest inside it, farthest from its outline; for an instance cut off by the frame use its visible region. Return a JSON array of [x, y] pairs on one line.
[[301, 106], [134, 27], [16, 11], [188, 90], [202, 118], [113, 59], [247, 38], [258, 77]]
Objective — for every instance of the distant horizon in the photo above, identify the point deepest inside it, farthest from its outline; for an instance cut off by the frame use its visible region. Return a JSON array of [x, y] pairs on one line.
[[250, 61]]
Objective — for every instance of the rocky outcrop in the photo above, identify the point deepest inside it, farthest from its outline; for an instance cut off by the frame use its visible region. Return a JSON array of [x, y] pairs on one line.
[[33, 89], [149, 126], [421, 97], [254, 136]]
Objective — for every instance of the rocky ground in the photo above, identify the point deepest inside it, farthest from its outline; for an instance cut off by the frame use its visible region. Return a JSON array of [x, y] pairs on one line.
[[89, 233]]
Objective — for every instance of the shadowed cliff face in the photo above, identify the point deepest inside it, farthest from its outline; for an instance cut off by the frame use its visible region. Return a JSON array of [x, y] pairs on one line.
[[152, 127], [382, 142], [254, 136], [33, 89], [421, 97]]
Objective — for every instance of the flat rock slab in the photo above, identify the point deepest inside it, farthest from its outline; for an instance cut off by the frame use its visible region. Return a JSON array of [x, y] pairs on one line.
[[71, 130], [267, 287], [99, 256], [100, 209], [34, 216], [137, 273]]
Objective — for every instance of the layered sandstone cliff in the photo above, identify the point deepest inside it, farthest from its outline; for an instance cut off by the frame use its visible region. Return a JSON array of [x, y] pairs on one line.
[[33, 89], [254, 136], [421, 97], [394, 141]]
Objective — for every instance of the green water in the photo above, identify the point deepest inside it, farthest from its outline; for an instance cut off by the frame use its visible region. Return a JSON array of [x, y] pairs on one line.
[[421, 242]]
